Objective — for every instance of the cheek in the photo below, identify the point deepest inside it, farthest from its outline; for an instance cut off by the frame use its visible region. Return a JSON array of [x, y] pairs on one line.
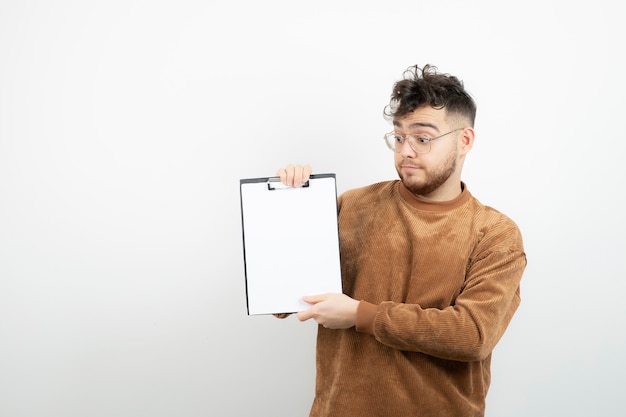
[[443, 155]]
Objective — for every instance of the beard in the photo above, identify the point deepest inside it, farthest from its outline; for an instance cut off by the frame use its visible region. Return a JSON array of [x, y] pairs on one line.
[[433, 179]]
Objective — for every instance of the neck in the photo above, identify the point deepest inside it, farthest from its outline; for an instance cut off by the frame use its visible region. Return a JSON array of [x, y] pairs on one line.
[[446, 192]]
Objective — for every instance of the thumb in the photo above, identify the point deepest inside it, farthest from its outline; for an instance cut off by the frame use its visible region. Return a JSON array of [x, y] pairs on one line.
[[314, 299]]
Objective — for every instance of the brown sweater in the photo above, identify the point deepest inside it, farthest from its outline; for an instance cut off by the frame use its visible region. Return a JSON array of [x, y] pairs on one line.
[[438, 284]]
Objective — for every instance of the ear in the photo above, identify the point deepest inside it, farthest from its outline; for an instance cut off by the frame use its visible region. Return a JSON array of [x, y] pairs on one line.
[[466, 140]]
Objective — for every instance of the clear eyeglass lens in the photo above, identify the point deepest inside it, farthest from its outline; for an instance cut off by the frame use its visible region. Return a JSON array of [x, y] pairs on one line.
[[418, 145], [395, 143]]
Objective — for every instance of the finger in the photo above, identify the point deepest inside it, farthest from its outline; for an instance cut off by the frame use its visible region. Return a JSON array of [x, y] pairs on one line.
[[301, 175], [306, 173], [289, 173], [282, 174], [304, 315], [297, 175], [314, 299]]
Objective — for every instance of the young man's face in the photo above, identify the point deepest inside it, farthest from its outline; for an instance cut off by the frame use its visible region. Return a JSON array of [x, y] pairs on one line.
[[427, 174]]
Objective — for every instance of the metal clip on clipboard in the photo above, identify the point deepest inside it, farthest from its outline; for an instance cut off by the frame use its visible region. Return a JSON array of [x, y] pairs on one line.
[[274, 183]]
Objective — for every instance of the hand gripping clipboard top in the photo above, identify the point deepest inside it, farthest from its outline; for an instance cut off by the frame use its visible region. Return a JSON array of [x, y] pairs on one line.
[[290, 242]]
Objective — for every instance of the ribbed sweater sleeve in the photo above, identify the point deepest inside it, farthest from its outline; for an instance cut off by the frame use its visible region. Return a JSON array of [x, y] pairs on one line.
[[365, 317]]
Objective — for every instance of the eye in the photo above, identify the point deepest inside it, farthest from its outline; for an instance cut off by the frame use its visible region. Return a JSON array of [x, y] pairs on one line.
[[422, 139], [398, 138]]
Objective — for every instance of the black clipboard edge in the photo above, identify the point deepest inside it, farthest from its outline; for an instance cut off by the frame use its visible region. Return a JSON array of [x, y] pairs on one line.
[[277, 179]]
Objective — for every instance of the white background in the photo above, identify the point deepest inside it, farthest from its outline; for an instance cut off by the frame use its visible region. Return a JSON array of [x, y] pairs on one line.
[[125, 127]]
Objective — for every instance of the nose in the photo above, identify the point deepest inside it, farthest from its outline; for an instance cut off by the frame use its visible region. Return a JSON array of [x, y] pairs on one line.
[[406, 150]]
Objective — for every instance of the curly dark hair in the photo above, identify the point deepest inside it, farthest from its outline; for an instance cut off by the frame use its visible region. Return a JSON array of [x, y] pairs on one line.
[[428, 87]]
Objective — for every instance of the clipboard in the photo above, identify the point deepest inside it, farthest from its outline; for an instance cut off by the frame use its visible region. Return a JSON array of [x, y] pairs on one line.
[[290, 242]]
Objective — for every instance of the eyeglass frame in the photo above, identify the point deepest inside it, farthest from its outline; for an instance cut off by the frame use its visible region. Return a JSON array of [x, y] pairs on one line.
[[428, 140]]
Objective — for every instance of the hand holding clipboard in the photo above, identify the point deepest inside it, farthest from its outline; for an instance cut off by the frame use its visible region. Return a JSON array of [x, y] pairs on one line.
[[294, 175]]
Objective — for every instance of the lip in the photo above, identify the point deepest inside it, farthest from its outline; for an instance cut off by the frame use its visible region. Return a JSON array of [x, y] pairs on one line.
[[409, 167]]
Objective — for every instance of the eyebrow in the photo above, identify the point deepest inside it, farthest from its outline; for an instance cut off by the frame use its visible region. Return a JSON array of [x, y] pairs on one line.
[[416, 124]]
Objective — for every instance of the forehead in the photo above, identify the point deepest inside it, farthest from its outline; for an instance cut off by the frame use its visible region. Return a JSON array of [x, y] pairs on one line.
[[423, 117]]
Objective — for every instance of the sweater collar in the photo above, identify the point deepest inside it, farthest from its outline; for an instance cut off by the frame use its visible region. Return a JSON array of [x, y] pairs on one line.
[[429, 205]]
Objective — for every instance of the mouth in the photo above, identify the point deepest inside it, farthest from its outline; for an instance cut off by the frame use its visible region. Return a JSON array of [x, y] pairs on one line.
[[409, 167]]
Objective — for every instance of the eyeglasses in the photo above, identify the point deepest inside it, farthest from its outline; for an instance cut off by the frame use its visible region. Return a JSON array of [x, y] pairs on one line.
[[419, 142]]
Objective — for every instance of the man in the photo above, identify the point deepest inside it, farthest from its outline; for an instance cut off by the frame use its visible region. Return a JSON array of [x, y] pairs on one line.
[[430, 275]]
